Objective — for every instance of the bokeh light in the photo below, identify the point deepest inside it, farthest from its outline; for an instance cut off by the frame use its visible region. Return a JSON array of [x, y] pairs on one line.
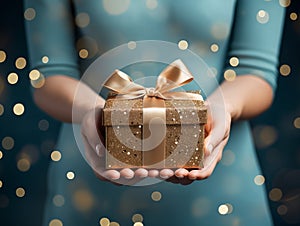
[[39, 82], [183, 44], [226, 208], [8, 143], [156, 196], [55, 222], [1, 183], [83, 53], [1, 109], [214, 48], [34, 74], [83, 200], [70, 175], [58, 200], [12, 78], [285, 70], [234, 61], [56, 156], [259, 180], [131, 45], [20, 63], [275, 194], [151, 4], [220, 30], [104, 221], [116, 7], [293, 16], [282, 209], [265, 136], [82, 20], [23, 164], [43, 125], [230, 75], [29, 14], [45, 59], [2, 56], [138, 224], [228, 158], [20, 192], [297, 123], [88, 45], [285, 3], [18, 109], [1, 155], [137, 218], [262, 16]]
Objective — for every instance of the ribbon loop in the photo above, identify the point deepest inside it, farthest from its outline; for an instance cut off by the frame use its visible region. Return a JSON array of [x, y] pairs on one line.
[[174, 76]]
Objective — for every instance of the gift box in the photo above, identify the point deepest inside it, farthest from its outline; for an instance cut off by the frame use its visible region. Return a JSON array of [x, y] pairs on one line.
[[153, 127]]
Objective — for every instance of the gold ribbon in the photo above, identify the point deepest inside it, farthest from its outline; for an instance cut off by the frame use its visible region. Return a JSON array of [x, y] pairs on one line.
[[154, 111]]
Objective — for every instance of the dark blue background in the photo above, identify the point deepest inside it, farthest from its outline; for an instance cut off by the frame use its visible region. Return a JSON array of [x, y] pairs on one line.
[[280, 159]]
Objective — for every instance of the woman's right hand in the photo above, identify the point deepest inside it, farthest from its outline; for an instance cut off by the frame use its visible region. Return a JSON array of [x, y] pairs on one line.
[[92, 130]]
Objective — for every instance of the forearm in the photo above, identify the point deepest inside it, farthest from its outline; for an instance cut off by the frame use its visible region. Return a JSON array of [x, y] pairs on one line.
[[56, 98], [245, 97]]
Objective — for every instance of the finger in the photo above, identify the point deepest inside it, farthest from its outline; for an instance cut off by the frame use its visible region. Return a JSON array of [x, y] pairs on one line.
[[111, 174], [94, 160], [216, 136], [181, 173], [141, 173], [90, 132], [153, 173], [166, 173], [97, 164], [127, 173], [209, 164]]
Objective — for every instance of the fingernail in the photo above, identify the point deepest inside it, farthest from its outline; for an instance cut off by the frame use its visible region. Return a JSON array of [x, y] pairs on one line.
[[98, 150], [164, 176], [209, 148]]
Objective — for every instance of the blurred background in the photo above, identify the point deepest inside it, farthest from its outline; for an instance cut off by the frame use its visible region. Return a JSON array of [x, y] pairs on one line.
[[27, 136]]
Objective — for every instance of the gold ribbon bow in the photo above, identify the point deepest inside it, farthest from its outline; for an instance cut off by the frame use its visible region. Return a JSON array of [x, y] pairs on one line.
[[174, 76]]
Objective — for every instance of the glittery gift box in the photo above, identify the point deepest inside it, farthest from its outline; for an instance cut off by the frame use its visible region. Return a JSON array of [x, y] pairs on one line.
[[183, 140]]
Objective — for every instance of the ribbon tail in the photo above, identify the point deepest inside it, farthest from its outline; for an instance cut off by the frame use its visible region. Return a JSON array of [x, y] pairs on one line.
[[120, 83], [174, 76]]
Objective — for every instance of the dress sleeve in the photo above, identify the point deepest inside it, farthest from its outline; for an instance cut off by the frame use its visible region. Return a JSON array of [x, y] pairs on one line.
[[256, 39], [50, 37]]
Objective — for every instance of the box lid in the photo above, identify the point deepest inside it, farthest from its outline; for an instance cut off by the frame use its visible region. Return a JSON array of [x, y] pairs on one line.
[[130, 112]]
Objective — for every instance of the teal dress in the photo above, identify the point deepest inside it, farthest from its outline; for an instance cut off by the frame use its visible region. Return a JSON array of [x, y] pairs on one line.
[[241, 35]]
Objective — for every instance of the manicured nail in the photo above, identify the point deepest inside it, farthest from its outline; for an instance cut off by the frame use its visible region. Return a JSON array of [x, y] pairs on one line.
[[210, 148], [98, 150]]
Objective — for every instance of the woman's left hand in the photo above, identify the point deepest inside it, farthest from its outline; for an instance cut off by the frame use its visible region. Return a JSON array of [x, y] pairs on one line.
[[217, 130]]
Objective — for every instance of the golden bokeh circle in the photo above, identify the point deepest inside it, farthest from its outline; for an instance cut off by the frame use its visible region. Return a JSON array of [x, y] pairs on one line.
[[156, 196], [275, 194], [55, 156], [20, 192], [18, 109], [183, 44]]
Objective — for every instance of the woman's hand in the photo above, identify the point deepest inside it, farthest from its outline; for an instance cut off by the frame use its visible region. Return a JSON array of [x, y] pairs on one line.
[[92, 130], [217, 134]]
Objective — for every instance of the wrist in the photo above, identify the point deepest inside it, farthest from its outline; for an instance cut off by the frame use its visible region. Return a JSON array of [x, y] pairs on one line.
[[233, 110]]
